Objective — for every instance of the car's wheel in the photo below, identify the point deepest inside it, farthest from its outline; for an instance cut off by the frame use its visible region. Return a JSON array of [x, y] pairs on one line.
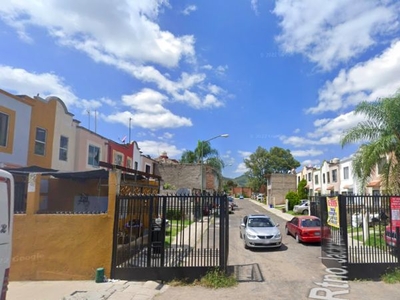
[[305, 212], [297, 238], [240, 234], [245, 245], [287, 230]]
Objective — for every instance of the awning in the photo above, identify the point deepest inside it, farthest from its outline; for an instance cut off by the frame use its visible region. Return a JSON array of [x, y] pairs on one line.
[[330, 188], [374, 183], [30, 169], [348, 187], [317, 189], [307, 186]]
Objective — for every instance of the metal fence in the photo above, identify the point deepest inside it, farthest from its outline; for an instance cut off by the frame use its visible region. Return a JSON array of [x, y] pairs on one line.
[[166, 237], [361, 230]]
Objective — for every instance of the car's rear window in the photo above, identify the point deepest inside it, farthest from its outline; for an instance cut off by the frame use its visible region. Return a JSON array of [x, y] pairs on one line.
[[262, 222], [310, 223]]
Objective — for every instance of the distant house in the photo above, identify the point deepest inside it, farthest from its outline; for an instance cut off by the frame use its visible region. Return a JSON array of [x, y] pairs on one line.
[[278, 185]]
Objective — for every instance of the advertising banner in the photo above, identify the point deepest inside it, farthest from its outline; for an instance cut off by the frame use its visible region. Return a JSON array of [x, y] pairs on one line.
[[395, 211], [332, 204]]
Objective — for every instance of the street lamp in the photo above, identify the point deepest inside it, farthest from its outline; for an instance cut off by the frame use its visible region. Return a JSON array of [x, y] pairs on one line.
[[225, 135]]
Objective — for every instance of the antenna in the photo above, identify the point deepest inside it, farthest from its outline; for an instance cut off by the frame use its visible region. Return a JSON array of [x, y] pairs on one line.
[[130, 119], [88, 112], [95, 121]]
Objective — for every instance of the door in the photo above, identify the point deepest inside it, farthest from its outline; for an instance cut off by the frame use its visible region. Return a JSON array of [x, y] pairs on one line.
[[6, 218]]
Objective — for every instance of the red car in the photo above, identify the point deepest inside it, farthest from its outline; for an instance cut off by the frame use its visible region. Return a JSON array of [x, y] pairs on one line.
[[305, 229]]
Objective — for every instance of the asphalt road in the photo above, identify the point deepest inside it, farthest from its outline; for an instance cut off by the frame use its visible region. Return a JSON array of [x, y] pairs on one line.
[[293, 271]]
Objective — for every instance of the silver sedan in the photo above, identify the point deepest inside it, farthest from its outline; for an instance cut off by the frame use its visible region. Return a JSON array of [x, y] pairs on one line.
[[260, 231]]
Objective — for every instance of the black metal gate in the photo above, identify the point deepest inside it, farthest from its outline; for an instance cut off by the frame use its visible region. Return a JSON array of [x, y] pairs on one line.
[[355, 231], [169, 237]]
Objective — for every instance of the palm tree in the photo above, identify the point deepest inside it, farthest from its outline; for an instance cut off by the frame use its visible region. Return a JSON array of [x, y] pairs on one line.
[[380, 137], [205, 153]]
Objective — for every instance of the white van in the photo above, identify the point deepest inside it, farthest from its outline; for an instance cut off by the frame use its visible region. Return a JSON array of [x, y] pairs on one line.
[[6, 225]]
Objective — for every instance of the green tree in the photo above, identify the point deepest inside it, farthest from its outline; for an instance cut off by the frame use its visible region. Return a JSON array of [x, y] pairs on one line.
[[257, 165], [188, 157], [263, 162], [302, 191], [379, 134], [203, 153], [293, 198]]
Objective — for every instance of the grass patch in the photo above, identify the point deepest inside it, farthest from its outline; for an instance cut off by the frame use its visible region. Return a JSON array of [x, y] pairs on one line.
[[217, 279], [392, 276], [214, 279], [176, 227], [376, 236]]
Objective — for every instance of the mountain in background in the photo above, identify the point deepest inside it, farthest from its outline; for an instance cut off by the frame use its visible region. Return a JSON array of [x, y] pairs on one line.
[[241, 181]]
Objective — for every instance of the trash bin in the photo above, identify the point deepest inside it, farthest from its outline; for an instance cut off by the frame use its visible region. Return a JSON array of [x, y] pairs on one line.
[[271, 206], [156, 236], [100, 275]]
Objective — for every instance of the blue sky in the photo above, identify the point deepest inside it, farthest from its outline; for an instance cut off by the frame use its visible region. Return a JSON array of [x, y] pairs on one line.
[[285, 73]]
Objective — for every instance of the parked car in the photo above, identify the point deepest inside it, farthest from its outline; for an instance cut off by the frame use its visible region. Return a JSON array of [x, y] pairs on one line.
[[241, 197], [260, 231], [357, 219], [302, 208], [305, 229], [260, 197]]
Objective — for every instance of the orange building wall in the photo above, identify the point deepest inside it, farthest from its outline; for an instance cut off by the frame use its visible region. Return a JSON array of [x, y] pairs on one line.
[[62, 247], [43, 116]]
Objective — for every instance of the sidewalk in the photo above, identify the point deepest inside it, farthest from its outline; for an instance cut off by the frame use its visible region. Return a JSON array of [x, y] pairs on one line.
[[83, 290], [275, 211]]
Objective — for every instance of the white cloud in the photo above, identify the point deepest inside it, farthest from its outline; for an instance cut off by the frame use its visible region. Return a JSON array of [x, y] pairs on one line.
[[207, 67], [166, 136], [327, 131], [20, 81], [254, 6], [220, 70], [245, 154], [376, 78], [311, 162], [155, 148], [309, 152], [241, 168], [147, 111], [332, 32], [189, 9], [125, 36], [122, 29]]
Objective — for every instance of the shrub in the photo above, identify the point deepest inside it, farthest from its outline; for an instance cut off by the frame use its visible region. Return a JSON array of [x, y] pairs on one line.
[[293, 198], [174, 214]]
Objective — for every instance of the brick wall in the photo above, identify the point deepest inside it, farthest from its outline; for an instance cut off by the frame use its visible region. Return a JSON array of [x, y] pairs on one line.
[[279, 186], [188, 176], [180, 175]]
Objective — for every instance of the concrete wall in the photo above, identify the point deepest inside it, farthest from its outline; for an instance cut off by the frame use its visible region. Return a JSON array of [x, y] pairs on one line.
[[64, 126], [84, 138], [15, 153], [62, 247]]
